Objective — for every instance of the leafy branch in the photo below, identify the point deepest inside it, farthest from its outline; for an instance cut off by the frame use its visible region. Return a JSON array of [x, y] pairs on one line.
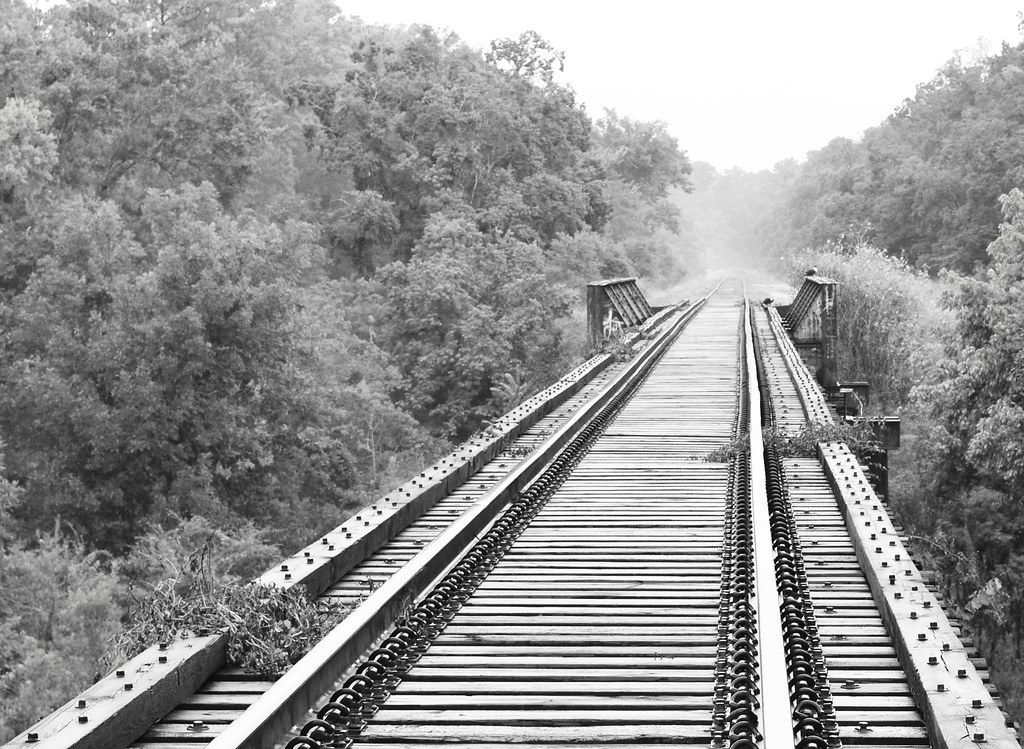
[[804, 443]]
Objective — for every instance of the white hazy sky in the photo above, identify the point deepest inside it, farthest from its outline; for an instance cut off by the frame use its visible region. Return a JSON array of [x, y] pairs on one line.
[[740, 83]]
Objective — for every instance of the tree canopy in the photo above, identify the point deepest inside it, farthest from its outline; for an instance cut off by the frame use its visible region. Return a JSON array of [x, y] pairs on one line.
[[925, 183]]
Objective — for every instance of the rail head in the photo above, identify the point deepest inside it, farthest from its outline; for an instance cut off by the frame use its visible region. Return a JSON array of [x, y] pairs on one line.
[[776, 710]]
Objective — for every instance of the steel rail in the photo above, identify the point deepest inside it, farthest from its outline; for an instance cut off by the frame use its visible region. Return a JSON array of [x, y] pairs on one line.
[[832, 623], [776, 712], [734, 721], [286, 702], [810, 687]]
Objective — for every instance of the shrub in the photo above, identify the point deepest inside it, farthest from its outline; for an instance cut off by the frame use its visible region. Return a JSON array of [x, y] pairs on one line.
[[889, 318], [268, 628]]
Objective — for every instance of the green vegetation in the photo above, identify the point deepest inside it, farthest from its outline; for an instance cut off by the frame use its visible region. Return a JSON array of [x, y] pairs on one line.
[[890, 318], [924, 184], [259, 262], [268, 628], [804, 443]]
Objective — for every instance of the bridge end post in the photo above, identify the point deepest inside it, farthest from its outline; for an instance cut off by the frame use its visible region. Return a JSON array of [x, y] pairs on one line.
[[598, 307], [612, 305], [813, 323]]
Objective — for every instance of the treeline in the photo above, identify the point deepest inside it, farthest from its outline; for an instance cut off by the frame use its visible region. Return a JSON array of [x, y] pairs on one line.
[[925, 184], [258, 262]]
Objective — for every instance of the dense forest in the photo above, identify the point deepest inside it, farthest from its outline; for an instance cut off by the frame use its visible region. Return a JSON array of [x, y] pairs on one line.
[[258, 262]]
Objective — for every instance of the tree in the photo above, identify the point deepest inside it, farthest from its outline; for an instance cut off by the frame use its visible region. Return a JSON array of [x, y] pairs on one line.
[[27, 152], [58, 609], [529, 57], [924, 183], [463, 311], [428, 126], [644, 154], [979, 400], [158, 377], [642, 163], [22, 43], [830, 197], [361, 232]]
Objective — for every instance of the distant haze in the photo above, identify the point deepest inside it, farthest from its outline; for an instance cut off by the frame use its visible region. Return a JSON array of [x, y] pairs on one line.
[[740, 83]]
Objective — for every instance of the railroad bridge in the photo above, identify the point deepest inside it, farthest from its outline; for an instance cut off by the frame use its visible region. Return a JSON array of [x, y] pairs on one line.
[[625, 558]]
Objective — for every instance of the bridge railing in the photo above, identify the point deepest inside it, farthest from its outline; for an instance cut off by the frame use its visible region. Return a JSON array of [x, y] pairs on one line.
[[813, 325]]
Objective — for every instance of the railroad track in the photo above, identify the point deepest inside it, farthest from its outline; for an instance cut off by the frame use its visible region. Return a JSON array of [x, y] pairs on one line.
[[616, 586], [620, 602]]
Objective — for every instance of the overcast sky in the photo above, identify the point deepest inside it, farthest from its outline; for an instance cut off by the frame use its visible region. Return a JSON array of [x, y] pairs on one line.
[[739, 82]]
